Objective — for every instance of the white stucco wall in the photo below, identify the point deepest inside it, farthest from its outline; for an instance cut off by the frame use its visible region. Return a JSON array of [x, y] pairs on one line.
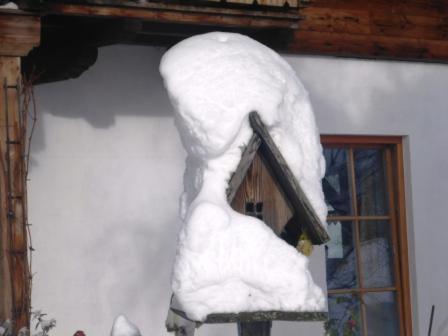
[[408, 99], [107, 169]]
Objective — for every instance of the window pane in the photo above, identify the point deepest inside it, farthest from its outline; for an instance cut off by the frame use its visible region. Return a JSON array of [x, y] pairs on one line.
[[376, 254], [370, 182], [344, 316], [381, 314], [336, 182], [341, 256]]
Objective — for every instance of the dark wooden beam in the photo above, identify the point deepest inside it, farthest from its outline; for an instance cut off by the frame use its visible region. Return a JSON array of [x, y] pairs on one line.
[[173, 12]]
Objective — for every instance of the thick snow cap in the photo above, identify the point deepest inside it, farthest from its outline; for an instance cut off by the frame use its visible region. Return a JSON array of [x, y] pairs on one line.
[[123, 327], [228, 262]]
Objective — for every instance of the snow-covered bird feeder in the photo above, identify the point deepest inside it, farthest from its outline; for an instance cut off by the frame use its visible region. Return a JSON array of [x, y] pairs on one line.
[[253, 204], [263, 186]]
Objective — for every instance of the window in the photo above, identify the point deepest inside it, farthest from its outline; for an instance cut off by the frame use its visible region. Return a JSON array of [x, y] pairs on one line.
[[367, 274]]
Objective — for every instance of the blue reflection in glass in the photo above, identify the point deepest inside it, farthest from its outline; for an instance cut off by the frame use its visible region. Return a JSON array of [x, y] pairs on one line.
[[344, 315], [336, 182], [341, 256]]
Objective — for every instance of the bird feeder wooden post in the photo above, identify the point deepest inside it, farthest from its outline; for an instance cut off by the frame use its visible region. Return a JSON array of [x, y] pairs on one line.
[[264, 186], [19, 33]]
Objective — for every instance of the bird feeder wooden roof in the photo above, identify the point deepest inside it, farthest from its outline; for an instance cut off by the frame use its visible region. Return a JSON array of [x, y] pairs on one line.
[[262, 143]]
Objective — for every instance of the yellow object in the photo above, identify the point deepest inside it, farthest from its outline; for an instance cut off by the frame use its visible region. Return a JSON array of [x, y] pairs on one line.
[[304, 245]]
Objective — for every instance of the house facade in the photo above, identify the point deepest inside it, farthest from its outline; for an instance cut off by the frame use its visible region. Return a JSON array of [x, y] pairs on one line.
[[106, 171]]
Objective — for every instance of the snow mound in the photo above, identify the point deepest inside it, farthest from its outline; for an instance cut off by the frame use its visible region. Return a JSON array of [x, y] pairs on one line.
[[228, 262], [9, 5], [123, 327]]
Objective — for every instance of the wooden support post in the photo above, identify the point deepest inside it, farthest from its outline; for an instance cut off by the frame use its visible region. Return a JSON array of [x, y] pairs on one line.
[[13, 254], [18, 34], [259, 328]]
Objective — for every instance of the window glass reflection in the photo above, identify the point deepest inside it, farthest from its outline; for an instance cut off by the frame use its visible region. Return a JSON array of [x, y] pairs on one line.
[[344, 315], [341, 256], [376, 254], [370, 182], [336, 182], [381, 314]]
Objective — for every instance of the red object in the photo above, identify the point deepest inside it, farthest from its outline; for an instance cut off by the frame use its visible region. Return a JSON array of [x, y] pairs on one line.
[[351, 323], [79, 333]]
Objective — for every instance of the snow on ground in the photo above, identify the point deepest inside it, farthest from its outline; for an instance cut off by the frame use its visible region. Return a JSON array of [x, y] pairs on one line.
[[9, 5], [123, 327], [228, 262]]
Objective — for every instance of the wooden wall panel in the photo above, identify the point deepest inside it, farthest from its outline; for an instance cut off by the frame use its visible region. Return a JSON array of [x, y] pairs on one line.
[[260, 185], [369, 46], [329, 20], [404, 30]]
